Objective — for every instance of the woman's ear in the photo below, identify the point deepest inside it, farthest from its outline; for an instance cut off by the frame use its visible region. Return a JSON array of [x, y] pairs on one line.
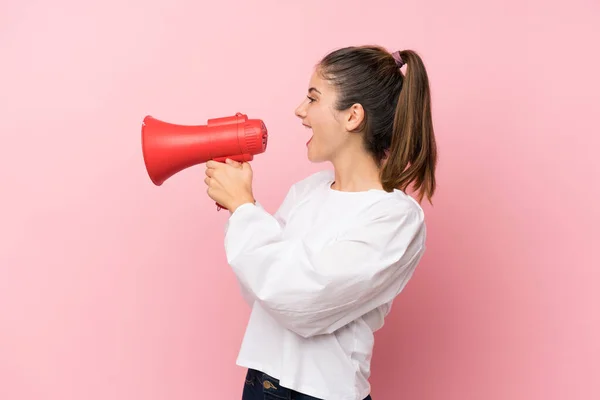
[[355, 116]]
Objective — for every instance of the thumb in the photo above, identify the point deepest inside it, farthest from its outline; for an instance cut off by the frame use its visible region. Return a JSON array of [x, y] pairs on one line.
[[231, 162]]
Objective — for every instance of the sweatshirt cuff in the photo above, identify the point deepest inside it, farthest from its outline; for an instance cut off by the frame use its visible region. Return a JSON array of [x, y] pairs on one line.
[[244, 209]]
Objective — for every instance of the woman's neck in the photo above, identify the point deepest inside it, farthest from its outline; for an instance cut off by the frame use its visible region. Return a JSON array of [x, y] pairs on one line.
[[355, 172]]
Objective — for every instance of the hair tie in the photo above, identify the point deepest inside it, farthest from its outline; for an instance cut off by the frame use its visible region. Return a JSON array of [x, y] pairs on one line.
[[398, 59]]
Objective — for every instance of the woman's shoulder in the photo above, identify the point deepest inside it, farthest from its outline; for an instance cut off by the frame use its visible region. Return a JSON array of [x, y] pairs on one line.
[[396, 200], [317, 177], [313, 181]]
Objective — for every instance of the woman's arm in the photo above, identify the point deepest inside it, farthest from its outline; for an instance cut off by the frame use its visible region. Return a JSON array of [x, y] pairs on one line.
[[281, 216], [315, 293]]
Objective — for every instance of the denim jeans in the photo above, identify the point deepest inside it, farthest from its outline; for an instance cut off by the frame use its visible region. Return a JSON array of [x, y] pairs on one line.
[[261, 386]]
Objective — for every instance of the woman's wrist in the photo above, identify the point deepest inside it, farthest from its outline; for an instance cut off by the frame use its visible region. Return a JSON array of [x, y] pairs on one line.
[[242, 201]]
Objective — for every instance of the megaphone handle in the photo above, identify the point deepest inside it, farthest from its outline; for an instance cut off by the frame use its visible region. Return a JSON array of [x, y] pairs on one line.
[[237, 157]]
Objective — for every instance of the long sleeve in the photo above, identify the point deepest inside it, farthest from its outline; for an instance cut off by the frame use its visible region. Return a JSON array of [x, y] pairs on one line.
[[280, 216], [313, 293]]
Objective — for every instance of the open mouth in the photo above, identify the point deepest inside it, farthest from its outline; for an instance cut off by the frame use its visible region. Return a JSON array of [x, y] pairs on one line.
[[308, 127]]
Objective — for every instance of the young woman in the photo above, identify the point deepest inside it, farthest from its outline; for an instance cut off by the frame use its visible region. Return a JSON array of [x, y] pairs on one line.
[[322, 272]]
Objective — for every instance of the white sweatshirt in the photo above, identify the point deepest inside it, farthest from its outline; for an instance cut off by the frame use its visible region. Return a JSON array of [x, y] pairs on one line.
[[320, 276]]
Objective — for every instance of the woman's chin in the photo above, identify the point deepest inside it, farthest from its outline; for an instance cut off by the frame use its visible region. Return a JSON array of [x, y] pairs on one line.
[[314, 157], [312, 152], [310, 155]]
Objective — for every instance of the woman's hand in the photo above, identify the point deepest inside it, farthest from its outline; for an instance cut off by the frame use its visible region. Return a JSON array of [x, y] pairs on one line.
[[229, 183]]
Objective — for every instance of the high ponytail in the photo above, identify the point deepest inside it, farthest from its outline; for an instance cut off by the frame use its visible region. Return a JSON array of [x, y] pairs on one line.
[[413, 153], [397, 128]]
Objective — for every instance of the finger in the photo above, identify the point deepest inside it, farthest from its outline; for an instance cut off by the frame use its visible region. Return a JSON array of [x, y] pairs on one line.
[[232, 162], [213, 164]]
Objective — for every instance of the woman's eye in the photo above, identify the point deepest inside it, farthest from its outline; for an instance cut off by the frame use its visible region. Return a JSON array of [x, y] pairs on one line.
[[311, 99]]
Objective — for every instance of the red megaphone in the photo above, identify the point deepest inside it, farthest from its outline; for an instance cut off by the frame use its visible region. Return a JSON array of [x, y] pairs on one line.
[[169, 148]]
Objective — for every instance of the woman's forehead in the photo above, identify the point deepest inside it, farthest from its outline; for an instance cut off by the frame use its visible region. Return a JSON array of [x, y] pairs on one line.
[[318, 84]]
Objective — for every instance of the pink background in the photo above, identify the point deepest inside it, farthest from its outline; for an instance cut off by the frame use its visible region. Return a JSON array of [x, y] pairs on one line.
[[112, 288]]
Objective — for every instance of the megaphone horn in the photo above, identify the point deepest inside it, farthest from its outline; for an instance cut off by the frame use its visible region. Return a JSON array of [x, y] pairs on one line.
[[170, 148]]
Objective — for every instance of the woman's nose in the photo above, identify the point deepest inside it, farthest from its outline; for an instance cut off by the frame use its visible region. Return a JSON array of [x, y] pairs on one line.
[[300, 111]]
